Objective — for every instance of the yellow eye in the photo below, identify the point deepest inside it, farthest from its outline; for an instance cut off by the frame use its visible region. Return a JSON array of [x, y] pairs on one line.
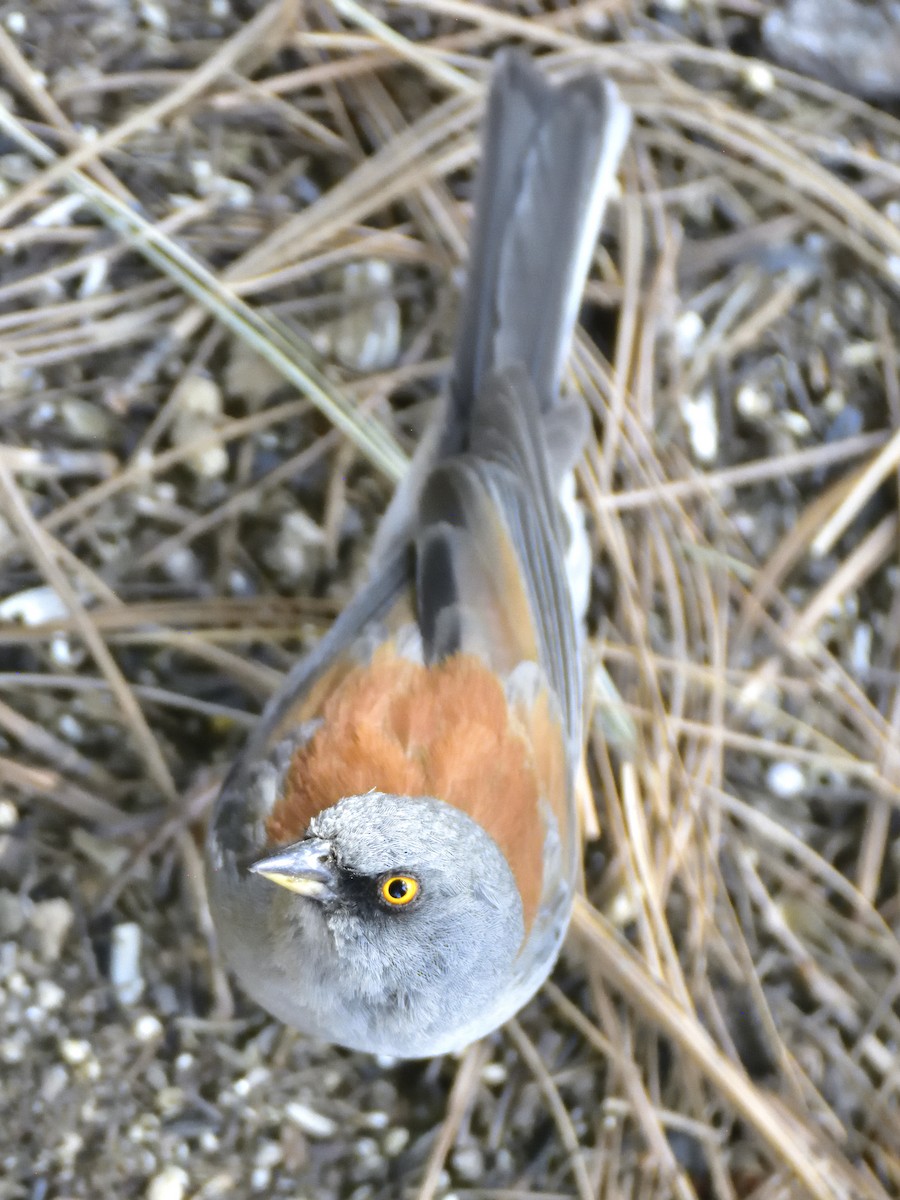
[[399, 889]]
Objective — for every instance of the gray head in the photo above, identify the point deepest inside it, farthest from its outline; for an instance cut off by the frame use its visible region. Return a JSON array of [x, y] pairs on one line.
[[397, 924]]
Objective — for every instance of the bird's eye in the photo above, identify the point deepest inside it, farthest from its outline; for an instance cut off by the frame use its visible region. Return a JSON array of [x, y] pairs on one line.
[[398, 890]]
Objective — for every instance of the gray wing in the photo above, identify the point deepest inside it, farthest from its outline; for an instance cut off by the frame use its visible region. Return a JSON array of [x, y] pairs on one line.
[[490, 566]]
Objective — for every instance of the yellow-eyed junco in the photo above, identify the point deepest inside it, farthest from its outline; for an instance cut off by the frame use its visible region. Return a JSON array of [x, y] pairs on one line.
[[392, 860]]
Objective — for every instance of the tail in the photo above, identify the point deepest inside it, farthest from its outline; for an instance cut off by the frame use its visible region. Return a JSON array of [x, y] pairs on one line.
[[548, 163], [549, 158]]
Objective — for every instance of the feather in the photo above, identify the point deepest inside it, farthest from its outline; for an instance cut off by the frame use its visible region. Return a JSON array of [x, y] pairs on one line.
[[547, 167], [491, 565]]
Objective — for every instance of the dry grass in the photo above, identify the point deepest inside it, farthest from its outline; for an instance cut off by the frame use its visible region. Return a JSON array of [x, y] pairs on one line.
[[728, 1023]]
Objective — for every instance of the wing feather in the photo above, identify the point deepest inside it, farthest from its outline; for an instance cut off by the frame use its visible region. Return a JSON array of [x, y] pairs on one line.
[[490, 569]]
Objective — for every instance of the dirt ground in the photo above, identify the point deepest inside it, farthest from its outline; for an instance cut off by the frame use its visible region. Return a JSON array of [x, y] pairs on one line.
[[178, 520]]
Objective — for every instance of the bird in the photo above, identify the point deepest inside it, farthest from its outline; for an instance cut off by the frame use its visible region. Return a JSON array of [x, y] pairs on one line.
[[393, 857]]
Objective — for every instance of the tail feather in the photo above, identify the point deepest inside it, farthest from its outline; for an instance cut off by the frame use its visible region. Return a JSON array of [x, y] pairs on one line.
[[549, 159], [548, 164]]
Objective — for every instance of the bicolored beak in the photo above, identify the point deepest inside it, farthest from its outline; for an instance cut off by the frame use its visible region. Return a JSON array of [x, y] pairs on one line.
[[306, 867]]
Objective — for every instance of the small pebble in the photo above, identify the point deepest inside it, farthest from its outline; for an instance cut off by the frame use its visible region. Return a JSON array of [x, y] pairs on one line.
[[260, 1179], [75, 1051], [856, 299], [51, 921], [367, 337], [760, 78], [753, 403], [234, 192], [745, 523], [268, 1154], [148, 1028], [85, 421], [34, 606], [198, 414], [209, 1144], [248, 376], [203, 173], [54, 1082], [170, 1184], [395, 1141], [494, 1074], [623, 908], [253, 1079], [834, 402], [504, 1162], [9, 956], [702, 425], [297, 549], [155, 17], [125, 962], [240, 584], [199, 396], [861, 649], [12, 1049], [12, 913], [182, 565], [785, 780], [366, 1148], [70, 727], [169, 1101], [144, 1129], [795, 422], [70, 1146], [468, 1163], [860, 354], [17, 985], [314, 1124], [688, 331], [49, 995], [376, 1120], [64, 652], [17, 168]]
